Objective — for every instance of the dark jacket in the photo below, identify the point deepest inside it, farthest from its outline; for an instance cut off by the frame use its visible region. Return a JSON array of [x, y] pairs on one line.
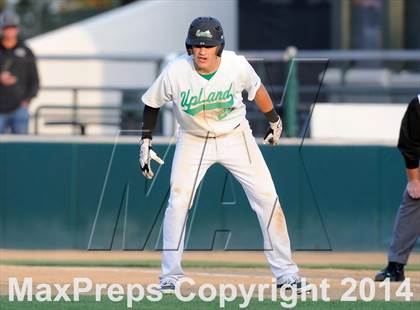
[[409, 141], [21, 62]]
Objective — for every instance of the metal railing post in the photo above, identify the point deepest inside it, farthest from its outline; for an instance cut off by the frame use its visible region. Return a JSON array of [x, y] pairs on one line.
[[291, 95], [75, 93]]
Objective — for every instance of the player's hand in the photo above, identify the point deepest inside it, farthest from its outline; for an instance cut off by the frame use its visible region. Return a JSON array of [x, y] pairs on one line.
[[273, 134], [7, 79], [413, 189], [146, 157]]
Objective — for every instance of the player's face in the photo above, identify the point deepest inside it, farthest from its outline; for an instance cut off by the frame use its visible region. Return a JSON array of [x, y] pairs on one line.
[[205, 58], [10, 32]]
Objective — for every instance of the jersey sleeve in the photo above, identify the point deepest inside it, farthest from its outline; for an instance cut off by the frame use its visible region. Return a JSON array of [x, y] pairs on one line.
[[409, 139], [251, 82], [160, 92]]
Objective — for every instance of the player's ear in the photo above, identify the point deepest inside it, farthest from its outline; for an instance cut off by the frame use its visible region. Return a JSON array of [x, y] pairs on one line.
[[188, 48], [219, 49]]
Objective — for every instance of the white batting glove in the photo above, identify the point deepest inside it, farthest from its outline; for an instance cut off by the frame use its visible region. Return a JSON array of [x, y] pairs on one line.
[[273, 134], [413, 189], [146, 157]]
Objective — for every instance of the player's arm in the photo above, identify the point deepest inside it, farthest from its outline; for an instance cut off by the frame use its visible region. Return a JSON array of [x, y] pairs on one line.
[[147, 154], [150, 116], [413, 184], [256, 91], [32, 80], [264, 103], [409, 146], [157, 95], [413, 175]]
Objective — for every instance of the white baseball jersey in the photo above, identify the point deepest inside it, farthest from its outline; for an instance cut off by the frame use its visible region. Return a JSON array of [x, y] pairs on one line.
[[202, 106]]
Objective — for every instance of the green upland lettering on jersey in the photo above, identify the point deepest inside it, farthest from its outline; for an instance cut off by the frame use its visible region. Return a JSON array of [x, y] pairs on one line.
[[215, 100]]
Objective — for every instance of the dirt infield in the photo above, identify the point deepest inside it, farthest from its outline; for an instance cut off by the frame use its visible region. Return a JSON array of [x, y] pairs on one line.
[[216, 276]]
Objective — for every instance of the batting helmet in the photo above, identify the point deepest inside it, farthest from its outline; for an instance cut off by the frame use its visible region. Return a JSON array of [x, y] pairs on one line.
[[205, 31], [9, 19]]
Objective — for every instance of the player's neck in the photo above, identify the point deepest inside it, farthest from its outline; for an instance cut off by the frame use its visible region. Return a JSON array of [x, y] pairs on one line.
[[210, 69]]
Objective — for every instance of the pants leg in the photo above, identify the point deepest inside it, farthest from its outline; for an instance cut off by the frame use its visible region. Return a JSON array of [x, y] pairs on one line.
[[193, 156], [406, 230], [3, 123], [241, 155], [20, 121]]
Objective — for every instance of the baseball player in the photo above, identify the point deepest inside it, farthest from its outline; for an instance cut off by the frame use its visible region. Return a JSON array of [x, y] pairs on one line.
[[205, 85], [407, 223]]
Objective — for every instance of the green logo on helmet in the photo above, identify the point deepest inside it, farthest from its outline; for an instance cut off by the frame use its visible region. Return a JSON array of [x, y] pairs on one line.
[[203, 34]]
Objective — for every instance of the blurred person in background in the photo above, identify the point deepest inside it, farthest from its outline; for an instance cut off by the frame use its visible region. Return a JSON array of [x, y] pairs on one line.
[[407, 222], [19, 81]]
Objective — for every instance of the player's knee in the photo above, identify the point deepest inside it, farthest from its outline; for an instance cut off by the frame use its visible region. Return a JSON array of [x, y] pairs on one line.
[[267, 200], [180, 198]]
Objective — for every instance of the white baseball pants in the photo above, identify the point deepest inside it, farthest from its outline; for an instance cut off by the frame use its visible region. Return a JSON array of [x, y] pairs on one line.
[[239, 153]]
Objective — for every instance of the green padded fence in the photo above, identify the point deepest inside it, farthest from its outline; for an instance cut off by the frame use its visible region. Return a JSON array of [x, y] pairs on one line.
[[51, 192]]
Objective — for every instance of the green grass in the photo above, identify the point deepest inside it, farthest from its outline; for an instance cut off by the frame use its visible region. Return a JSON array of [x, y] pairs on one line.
[[186, 264], [171, 303]]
